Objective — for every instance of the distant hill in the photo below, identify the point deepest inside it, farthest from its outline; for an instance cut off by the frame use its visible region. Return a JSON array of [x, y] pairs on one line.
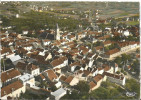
[[110, 9]]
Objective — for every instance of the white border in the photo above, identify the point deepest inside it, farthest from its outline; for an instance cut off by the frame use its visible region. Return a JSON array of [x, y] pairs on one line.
[[80, 0]]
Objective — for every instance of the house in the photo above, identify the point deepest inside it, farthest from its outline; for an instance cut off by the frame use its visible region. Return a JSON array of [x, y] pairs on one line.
[[99, 49], [62, 78], [27, 79], [25, 32], [112, 53], [73, 65], [64, 36], [119, 79], [72, 80], [80, 35], [90, 63], [58, 94], [57, 70], [108, 68], [40, 77], [107, 43], [124, 46], [91, 55], [6, 52], [9, 75], [92, 86], [94, 71], [28, 68], [51, 76], [71, 37], [84, 50], [15, 59], [126, 33], [28, 47], [134, 45], [116, 68], [60, 62], [98, 79], [12, 90], [87, 73], [100, 70], [58, 84], [46, 42]]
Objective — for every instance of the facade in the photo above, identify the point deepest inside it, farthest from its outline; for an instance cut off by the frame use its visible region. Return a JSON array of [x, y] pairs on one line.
[[72, 80], [58, 93], [60, 62], [115, 78], [12, 90], [10, 75], [28, 68], [57, 33]]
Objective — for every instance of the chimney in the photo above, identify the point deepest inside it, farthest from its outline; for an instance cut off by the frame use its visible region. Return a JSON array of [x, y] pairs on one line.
[[4, 92], [12, 89]]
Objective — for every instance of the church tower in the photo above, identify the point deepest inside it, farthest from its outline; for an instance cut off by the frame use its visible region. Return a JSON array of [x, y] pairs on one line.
[[57, 32]]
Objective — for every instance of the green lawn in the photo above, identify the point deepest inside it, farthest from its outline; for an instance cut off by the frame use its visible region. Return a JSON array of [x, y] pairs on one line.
[[132, 22]]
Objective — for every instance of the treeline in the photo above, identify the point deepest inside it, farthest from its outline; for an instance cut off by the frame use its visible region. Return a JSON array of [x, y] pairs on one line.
[[40, 20]]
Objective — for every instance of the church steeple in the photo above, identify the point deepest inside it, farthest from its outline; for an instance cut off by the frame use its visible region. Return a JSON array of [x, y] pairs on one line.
[[57, 32]]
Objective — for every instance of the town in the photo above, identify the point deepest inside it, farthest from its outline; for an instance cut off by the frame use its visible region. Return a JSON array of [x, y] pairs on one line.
[[97, 60]]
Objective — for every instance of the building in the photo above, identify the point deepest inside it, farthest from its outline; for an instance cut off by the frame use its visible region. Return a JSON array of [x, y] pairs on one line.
[[10, 75], [15, 59], [50, 75], [92, 86], [72, 80], [6, 52], [12, 90], [119, 79], [57, 32], [60, 62], [28, 68], [112, 53], [28, 79], [58, 93]]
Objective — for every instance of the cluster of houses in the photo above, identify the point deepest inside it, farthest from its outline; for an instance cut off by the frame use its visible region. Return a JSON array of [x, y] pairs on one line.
[[62, 62]]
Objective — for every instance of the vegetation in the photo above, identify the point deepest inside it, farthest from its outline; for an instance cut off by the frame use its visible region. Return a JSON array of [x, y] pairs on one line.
[[132, 22], [124, 14], [40, 20], [135, 67], [106, 91], [29, 95], [78, 92], [133, 86]]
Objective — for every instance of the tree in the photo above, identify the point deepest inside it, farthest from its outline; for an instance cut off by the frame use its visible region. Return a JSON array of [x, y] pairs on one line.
[[118, 60], [82, 86], [133, 86], [135, 66], [100, 93], [118, 72], [71, 95]]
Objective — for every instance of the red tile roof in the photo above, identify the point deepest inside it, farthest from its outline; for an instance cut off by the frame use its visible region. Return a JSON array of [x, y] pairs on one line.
[[51, 75], [8, 89], [9, 74], [98, 77], [92, 85], [113, 51], [58, 61], [69, 79], [114, 75], [6, 50]]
